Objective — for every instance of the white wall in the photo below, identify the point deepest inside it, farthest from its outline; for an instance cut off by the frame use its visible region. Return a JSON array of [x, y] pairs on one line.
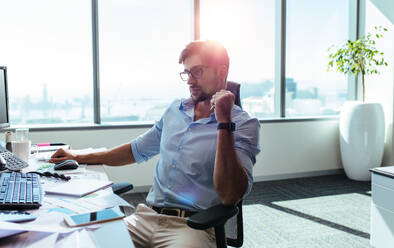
[[289, 149], [380, 88]]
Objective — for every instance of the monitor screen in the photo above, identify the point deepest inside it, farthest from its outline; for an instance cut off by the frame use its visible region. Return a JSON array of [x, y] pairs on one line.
[[4, 119]]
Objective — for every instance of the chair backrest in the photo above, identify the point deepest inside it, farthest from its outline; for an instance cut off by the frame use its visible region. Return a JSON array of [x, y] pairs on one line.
[[234, 226], [235, 89]]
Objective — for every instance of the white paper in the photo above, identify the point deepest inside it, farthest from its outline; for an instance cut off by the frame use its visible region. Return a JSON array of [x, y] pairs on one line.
[[102, 202], [43, 156], [31, 227], [97, 201], [31, 240], [5, 232], [88, 150], [80, 238], [47, 231], [77, 187], [50, 222], [76, 207]]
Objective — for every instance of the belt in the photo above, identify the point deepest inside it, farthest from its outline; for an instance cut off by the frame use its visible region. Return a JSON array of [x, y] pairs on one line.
[[173, 211]]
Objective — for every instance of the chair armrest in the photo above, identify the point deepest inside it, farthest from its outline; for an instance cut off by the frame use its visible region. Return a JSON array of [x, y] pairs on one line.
[[212, 217], [120, 188]]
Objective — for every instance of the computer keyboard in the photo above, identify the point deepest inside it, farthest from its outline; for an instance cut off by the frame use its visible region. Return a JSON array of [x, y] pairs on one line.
[[9, 161], [20, 191]]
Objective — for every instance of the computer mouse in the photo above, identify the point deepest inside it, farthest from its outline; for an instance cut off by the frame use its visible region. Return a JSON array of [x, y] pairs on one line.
[[66, 165]]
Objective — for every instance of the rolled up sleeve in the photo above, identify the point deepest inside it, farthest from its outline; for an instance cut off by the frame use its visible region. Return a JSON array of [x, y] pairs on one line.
[[147, 145]]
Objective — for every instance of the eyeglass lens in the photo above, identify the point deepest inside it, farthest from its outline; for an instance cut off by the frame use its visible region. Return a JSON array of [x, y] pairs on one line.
[[195, 72]]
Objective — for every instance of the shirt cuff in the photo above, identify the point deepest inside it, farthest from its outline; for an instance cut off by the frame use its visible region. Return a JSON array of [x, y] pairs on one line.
[[136, 154]]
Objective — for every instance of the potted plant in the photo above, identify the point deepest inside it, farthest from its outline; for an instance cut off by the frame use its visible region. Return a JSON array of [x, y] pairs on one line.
[[361, 125]]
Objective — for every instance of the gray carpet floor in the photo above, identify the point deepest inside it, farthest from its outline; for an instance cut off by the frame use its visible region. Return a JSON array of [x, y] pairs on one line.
[[327, 211]]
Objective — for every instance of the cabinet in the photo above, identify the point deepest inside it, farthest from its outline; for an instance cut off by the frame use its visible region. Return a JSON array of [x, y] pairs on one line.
[[382, 207]]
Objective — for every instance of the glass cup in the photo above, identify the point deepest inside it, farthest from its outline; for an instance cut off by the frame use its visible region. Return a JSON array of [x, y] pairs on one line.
[[21, 146], [21, 149], [22, 134]]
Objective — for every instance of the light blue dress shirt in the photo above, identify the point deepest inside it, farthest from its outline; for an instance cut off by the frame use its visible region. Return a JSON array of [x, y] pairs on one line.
[[184, 173]]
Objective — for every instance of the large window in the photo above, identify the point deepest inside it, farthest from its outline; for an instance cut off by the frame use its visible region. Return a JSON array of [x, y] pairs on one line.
[[312, 27], [247, 30], [140, 43], [46, 46]]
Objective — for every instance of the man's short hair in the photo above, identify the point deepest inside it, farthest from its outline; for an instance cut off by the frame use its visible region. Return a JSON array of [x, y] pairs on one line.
[[212, 53]]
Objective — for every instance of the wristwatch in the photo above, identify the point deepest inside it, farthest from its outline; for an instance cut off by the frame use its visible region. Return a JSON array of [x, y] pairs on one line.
[[230, 126]]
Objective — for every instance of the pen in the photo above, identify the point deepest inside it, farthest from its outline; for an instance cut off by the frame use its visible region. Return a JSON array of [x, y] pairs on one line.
[[51, 144], [212, 106]]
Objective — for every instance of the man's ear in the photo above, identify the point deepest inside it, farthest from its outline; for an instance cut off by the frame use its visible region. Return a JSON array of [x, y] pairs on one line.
[[223, 71]]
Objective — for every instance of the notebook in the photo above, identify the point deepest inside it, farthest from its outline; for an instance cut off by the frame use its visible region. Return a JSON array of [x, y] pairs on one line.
[[78, 187]]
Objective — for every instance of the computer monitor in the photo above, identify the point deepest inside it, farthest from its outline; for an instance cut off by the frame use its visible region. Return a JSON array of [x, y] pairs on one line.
[[4, 117]]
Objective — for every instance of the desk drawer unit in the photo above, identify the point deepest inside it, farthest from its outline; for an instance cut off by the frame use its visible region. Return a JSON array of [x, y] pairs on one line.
[[382, 210]]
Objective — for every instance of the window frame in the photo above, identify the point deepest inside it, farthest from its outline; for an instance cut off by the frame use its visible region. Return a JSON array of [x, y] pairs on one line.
[[356, 29]]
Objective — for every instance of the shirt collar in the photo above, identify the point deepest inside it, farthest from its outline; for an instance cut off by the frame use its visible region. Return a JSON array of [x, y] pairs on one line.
[[186, 104]]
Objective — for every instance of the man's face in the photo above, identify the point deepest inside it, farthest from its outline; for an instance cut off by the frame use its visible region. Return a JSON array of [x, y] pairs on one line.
[[207, 82]]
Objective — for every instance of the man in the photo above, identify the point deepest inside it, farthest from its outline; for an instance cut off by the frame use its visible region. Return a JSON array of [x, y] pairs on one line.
[[203, 160]]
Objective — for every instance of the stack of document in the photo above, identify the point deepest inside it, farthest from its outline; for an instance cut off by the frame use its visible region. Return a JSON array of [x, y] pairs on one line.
[[78, 187]]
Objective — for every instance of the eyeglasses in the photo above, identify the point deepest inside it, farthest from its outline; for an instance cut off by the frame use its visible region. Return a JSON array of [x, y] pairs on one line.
[[196, 72]]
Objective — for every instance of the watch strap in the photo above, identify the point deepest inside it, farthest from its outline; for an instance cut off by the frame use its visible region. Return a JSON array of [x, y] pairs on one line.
[[230, 126]]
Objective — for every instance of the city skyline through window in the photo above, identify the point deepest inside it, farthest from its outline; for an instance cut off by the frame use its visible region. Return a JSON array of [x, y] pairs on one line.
[[49, 57]]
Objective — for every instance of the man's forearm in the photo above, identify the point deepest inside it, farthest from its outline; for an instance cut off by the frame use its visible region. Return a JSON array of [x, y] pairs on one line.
[[230, 178], [120, 155]]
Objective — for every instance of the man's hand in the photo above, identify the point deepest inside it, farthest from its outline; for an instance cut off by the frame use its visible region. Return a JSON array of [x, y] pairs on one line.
[[223, 101], [61, 155]]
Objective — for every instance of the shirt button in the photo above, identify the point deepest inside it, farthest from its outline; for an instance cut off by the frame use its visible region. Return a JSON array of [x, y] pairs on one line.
[[180, 148], [173, 166], [169, 186]]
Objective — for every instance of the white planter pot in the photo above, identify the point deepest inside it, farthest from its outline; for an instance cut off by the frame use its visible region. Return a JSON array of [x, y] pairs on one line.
[[361, 130]]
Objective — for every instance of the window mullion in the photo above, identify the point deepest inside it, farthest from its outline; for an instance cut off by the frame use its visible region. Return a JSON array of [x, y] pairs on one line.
[[96, 65], [356, 30], [280, 58]]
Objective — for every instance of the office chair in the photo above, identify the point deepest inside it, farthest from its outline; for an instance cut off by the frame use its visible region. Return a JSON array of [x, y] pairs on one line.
[[235, 89], [227, 220]]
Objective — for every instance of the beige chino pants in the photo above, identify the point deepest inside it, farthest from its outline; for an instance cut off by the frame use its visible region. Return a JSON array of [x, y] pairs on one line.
[[150, 229]]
